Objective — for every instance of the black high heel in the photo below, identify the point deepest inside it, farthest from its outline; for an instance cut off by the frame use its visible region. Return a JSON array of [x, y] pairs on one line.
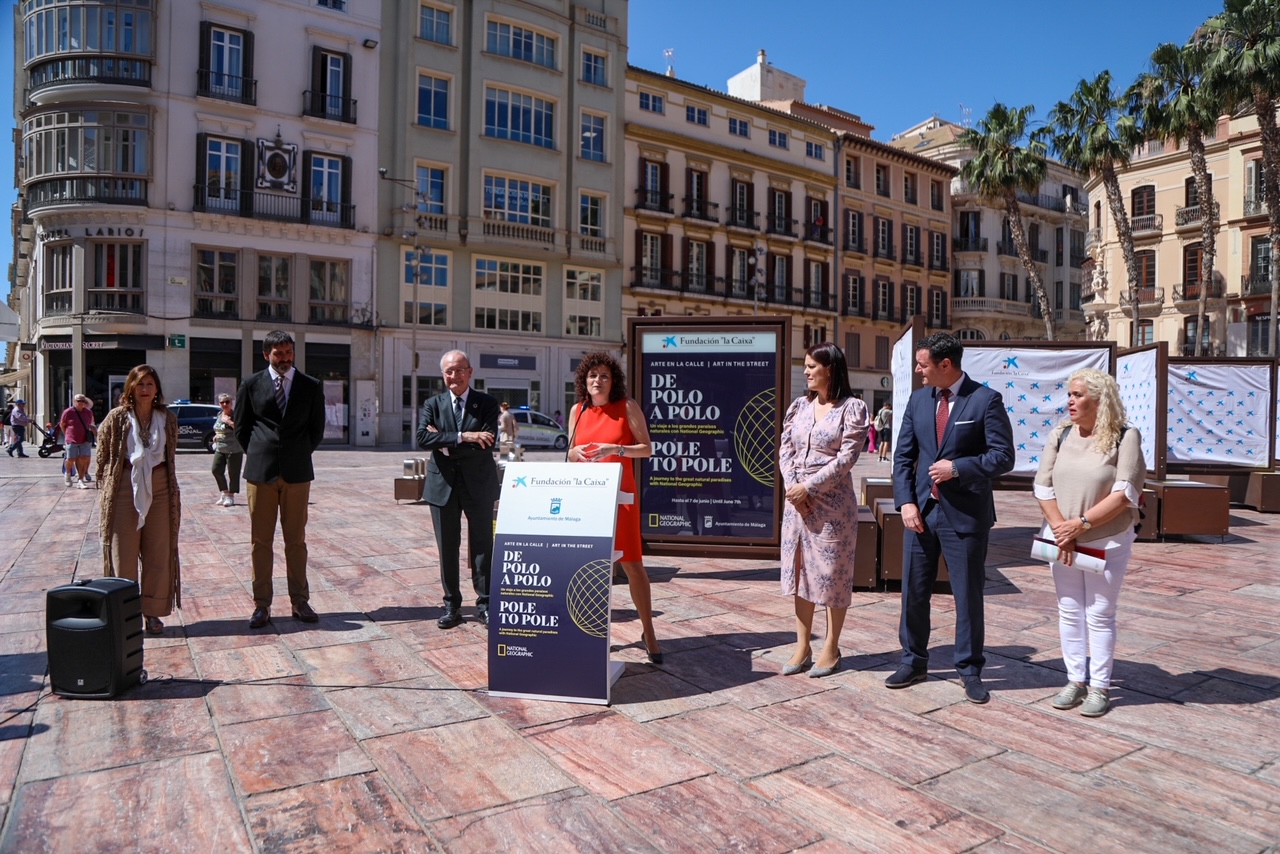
[[655, 657]]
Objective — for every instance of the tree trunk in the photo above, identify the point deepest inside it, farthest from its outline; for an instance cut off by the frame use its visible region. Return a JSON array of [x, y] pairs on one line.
[[1271, 192], [1124, 231], [1028, 263], [1208, 228]]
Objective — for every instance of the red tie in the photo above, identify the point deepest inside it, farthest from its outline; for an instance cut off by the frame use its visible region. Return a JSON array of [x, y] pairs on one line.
[[940, 422]]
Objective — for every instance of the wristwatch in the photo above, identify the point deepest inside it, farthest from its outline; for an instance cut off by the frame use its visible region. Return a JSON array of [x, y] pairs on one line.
[[955, 472], [1084, 520]]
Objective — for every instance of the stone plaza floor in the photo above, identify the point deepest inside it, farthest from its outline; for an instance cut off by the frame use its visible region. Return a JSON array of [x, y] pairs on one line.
[[372, 730]]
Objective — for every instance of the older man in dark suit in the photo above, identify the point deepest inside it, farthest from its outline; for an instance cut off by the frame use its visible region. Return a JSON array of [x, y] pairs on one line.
[[955, 438], [279, 418], [459, 427]]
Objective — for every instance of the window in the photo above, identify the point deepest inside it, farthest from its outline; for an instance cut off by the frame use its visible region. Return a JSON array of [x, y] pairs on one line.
[[75, 154], [853, 296], [429, 313], [937, 307], [882, 180], [433, 102], [1255, 182], [216, 284], [882, 352], [884, 299], [779, 212], [909, 187], [435, 25], [910, 300], [781, 277], [591, 215], [1009, 287], [739, 127], [816, 150], [696, 115], [431, 190], [853, 349], [430, 268], [594, 68], [1259, 336], [777, 138], [584, 285], [517, 200], [938, 251], [274, 294], [585, 326], [518, 117], [651, 103], [818, 290], [741, 213], [336, 5], [508, 319], [696, 266], [970, 335], [1260, 263], [520, 43], [853, 172], [1189, 336], [1146, 333], [1192, 256], [884, 237], [740, 272], [117, 277], [911, 244], [853, 231], [1077, 248], [329, 295], [57, 279], [650, 259], [226, 64], [330, 93], [970, 284], [970, 226], [592, 137], [509, 277], [1145, 262], [937, 200], [1143, 201], [223, 176], [584, 303], [327, 183]]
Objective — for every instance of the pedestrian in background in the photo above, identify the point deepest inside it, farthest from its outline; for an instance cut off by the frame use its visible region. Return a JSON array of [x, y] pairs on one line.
[[4, 419], [884, 431], [18, 421], [227, 453], [78, 428]]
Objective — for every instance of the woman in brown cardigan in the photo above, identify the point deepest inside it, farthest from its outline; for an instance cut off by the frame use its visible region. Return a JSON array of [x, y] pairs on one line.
[[141, 505]]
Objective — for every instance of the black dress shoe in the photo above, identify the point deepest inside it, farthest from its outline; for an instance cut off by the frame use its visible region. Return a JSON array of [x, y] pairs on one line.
[[304, 613], [975, 691], [450, 618], [260, 618], [906, 676], [482, 614]]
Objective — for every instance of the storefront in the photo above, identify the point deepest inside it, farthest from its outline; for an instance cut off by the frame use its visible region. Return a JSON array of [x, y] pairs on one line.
[[215, 367], [113, 356]]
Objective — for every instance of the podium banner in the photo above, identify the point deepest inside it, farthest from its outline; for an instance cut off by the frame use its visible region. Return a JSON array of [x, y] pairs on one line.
[[551, 580]]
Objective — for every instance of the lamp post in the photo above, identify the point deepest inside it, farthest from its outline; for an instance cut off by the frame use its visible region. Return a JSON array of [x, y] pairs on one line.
[[415, 315]]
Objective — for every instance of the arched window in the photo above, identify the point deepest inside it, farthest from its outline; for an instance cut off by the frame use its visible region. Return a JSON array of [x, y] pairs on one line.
[[970, 335], [1143, 201]]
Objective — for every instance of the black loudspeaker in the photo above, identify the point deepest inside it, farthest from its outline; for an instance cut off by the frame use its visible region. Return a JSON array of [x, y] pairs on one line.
[[94, 638]]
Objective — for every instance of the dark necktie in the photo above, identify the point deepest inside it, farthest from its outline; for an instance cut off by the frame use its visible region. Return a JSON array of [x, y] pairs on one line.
[[280, 398], [457, 413], [940, 421]]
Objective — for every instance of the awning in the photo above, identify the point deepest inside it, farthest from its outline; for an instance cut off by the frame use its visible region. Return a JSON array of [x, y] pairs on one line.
[[15, 377]]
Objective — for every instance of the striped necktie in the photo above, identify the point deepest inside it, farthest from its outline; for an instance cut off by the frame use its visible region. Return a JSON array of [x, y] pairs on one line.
[[280, 398], [457, 413]]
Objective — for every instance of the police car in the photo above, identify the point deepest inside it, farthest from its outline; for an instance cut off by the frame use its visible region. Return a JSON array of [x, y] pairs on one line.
[[538, 430], [195, 423]]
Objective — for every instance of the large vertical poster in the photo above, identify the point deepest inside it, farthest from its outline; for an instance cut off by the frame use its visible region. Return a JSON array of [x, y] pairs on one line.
[[1140, 393], [711, 393]]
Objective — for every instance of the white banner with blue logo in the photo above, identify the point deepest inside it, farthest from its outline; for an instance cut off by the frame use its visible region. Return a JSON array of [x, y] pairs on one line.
[[1220, 414], [1033, 383], [551, 581], [902, 365], [1136, 375]]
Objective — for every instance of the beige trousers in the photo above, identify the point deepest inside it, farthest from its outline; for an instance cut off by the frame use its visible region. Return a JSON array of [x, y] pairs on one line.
[[152, 546], [289, 501]]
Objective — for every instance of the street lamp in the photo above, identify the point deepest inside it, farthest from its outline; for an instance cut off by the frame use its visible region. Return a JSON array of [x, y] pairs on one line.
[[417, 303]]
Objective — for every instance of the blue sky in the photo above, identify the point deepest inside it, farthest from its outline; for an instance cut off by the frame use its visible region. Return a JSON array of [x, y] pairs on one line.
[[894, 64]]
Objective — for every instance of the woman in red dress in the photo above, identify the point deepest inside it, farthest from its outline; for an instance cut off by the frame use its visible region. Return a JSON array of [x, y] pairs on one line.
[[606, 426]]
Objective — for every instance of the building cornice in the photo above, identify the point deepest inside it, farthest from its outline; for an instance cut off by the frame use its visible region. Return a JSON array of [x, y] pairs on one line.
[[646, 135]]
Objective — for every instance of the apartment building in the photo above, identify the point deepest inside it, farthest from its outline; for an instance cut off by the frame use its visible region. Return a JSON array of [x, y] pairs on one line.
[[992, 295], [500, 218], [191, 176], [1165, 214]]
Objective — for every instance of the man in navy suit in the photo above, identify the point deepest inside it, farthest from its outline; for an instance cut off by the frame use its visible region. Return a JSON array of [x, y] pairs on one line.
[[955, 438], [279, 419], [459, 427]]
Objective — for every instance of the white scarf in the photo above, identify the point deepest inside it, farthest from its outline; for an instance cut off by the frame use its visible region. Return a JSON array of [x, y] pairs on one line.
[[143, 460]]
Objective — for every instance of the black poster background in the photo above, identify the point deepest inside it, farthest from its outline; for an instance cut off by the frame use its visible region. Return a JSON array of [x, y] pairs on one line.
[[712, 419], [529, 655]]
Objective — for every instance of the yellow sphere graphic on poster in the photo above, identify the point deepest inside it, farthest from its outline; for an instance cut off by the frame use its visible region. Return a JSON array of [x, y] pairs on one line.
[[588, 597], [754, 439]]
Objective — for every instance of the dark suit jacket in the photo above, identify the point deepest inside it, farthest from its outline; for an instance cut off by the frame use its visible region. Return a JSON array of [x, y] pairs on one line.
[[467, 460], [279, 445], [978, 438]]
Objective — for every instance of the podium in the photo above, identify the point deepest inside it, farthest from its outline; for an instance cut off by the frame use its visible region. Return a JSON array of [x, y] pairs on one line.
[[551, 582]]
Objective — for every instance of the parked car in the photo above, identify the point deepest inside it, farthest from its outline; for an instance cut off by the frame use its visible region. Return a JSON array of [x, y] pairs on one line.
[[538, 430], [195, 423]]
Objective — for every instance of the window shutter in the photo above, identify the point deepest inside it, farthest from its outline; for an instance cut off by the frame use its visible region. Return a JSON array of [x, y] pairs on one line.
[[348, 111], [202, 170], [644, 172], [945, 306], [666, 260], [639, 260], [889, 286], [751, 200], [711, 266], [664, 188], [317, 81], [205, 50], [347, 213], [729, 272], [306, 185], [787, 210], [688, 188], [982, 283], [248, 89], [790, 279], [684, 260], [808, 206], [770, 271], [902, 303], [955, 282], [248, 169], [905, 228]]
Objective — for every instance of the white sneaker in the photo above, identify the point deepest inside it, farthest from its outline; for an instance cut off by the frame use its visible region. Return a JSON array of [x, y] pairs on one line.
[[67, 479], [80, 484], [230, 501]]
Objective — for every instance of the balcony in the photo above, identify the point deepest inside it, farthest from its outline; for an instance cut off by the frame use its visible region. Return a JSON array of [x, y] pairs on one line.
[[743, 218], [85, 191], [519, 231], [224, 87], [1149, 225], [587, 243], [820, 300], [1255, 284], [1190, 291], [696, 207], [1188, 348], [88, 70], [816, 232], [739, 288], [857, 309], [910, 197], [1145, 296], [655, 278], [1042, 200], [986, 306], [322, 105], [653, 200], [913, 259], [1007, 247], [883, 250], [267, 206], [969, 244], [1191, 216], [1092, 237], [1040, 256], [780, 225], [1255, 205], [855, 245], [939, 263]]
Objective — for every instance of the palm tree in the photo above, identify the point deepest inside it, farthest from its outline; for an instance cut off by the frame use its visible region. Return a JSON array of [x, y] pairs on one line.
[[1001, 166], [1172, 101], [1245, 62], [1093, 134]]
